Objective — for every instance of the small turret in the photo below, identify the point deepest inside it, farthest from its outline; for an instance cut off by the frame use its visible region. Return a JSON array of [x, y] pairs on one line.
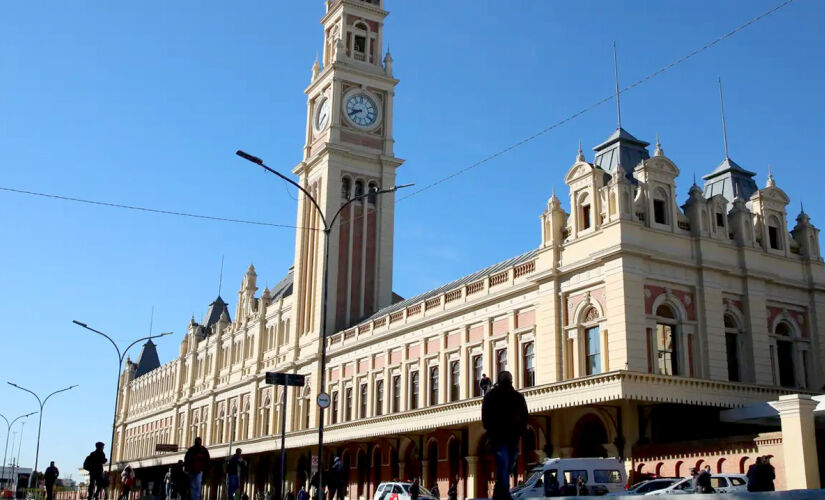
[[806, 236], [388, 63]]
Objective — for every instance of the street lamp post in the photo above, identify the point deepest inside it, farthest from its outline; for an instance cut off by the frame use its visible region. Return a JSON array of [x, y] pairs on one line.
[[42, 403], [8, 431], [326, 230], [120, 356]]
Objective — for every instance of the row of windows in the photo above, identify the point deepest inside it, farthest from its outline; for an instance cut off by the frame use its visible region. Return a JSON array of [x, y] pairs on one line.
[[453, 392]]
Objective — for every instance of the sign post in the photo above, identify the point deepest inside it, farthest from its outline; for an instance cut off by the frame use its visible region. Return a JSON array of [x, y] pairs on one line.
[[286, 380]]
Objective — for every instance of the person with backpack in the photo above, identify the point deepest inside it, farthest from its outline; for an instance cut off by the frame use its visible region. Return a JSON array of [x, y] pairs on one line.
[[51, 477], [127, 477], [195, 462], [94, 465], [234, 470], [504, 416]]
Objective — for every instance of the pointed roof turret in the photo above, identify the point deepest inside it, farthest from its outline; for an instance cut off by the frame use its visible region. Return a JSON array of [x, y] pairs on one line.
[[729, 178], [213, 314], [659, 151], [580, 155], [621, 148], [148, 359]]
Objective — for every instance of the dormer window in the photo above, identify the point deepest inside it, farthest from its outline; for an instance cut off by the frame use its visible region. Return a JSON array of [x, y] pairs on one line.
[[660, 207], [773, 233], [584, 213], [720, 219]]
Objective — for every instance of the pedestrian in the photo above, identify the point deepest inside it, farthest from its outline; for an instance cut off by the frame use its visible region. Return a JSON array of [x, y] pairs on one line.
[[337, 479], [302, 494], [234, 470], [127, 477], [755, 475], [180, 481], [452, 492], [51, 476], [94, 465], [415, 489], [195, 462], [434, 491], [694, 480], [551, 484], [581, 487], [485, 383], [504, 416], [168, 484], [768, 474], [703, 481]]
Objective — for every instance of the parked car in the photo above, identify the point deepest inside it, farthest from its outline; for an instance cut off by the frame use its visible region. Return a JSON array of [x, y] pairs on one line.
[[643, 487], [400, 491], [601, 476], [722, 483]]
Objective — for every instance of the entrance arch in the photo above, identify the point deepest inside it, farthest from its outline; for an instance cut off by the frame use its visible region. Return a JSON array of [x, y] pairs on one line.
[[589, 437]]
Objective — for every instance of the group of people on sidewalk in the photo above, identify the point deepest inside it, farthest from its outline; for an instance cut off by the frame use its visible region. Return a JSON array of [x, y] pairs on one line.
[[761, 475]]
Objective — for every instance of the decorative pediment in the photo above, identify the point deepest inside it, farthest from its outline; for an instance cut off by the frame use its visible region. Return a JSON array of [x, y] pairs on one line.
[[660, 163], [577, 171]]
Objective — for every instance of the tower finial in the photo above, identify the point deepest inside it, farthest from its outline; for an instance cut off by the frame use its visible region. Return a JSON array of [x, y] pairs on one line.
[[220, 278], [801, 207], [151, 320], [724, 127], [580, 155], [694, 177], [616, 72], [658, 151]]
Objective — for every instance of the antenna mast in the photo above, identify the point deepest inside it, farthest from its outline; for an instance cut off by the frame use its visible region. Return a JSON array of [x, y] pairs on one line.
[[220, 278], [616, 72], [724, 127]]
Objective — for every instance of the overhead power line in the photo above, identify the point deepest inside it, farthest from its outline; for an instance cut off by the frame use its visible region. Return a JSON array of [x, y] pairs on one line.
[[597, 103], [152, 210]]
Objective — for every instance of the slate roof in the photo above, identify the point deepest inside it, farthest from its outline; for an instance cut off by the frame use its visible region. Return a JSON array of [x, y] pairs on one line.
[[213, 314], [284, 287], [621, 148], [148, 359], [729, 180]]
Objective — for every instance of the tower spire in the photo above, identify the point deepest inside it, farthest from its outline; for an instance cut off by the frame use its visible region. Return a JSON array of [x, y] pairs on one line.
[[151, 320], [220, 278], [724, 127], [616, 73]]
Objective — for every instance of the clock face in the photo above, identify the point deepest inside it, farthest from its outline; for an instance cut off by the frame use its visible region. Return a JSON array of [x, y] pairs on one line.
[[361, 110], [322, 115]]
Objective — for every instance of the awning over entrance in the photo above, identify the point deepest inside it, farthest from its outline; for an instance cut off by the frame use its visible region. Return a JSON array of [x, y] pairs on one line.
[[765, 414]]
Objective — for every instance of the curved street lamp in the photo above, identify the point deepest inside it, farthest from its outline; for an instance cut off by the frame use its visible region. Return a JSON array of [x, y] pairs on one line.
[[328, 224], [42, 403], [8, 431], [120, 356]]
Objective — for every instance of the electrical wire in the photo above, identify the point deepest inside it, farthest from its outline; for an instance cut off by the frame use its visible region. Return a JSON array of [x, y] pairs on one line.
[[596, 104], [152, 210]]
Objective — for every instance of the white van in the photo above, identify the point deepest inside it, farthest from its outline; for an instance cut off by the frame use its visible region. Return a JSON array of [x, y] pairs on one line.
[[601, 476]]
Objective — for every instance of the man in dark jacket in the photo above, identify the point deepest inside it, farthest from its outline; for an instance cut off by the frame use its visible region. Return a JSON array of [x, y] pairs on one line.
[[195, 462], [51, 477], [337, 479], [94, 464], [504, 415]]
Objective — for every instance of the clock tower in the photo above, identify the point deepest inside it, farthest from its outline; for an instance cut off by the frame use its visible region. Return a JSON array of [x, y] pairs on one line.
[[348, 150]]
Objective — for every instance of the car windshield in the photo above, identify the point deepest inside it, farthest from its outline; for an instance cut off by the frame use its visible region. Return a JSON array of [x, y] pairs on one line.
[[421, 490], [534, 475]]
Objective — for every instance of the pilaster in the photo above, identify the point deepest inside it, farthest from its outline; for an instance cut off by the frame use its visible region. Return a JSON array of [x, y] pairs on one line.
[[796, 412]]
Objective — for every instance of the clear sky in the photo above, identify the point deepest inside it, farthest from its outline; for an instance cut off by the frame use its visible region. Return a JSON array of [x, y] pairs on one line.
[[145, 103]]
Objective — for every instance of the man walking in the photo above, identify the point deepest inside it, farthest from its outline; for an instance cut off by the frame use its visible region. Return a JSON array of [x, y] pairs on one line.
[[94, 465], [337, 479], [195, 462], [127, 477], [51, 477], [234, 469], [485, 383], [504, 416]]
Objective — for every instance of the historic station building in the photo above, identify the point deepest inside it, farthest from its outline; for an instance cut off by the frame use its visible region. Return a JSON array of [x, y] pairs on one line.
[[635, 320]]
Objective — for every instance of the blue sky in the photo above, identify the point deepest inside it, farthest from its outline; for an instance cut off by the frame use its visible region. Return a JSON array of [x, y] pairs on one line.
[[145, 103]]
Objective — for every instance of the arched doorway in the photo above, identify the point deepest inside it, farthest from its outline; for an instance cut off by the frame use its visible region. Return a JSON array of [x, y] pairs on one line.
[[412, 463], [376, 470], [432, 464], [589, 436]]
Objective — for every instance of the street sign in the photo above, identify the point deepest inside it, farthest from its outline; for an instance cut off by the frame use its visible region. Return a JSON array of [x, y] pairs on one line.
[[323, 401], [276, 378], [166, 447]]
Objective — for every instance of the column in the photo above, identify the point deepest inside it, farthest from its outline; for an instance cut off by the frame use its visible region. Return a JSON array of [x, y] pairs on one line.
[[710, 356], [472, 476], [548, 350], [796, 412]]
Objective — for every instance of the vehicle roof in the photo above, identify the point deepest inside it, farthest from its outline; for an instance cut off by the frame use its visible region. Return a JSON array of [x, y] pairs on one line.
[[580, 460]]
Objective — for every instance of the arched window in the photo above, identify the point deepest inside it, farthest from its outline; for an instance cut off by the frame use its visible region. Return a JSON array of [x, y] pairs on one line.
[[396, 393], [455, 380], [732, 347], [785, 354], [528, 362], [414, 390], [379, 397], [373, 188], [348, 404], [592, 352], [362, 401], [333, 416], [359, 188], [359, 41], [660, 204], [584, 212], [667, 352], [433, 385], [477, 373], [774, 233], [501, 361]]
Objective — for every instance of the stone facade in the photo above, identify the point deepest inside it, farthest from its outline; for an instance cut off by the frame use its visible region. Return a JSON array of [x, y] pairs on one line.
[[634, 319]]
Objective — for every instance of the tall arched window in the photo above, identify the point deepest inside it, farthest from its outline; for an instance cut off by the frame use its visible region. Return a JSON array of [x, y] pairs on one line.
[[396, 393], [478, 366], [584, 212], [379, 397], [667, 352], [359, 188], [732, 347], [501, 361], [455, 380], [333, 416], [592, 350], [660, 203], [414, 390], [372, 188], [785, 354], [774, 233], [362, 401], [433, 385], [528, 362], [348, 404]]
